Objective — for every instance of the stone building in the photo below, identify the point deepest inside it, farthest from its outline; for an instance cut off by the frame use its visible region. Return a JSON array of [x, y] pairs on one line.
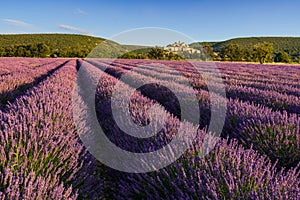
[[181, 47]]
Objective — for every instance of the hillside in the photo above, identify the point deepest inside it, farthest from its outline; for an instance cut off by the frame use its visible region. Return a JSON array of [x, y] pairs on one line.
[[59, 45], [291, 45], [72, 45], [55, 41]]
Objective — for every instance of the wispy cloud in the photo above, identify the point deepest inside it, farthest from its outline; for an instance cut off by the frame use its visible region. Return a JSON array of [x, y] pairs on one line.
[[15, 22], [74, 29], [80, 12]]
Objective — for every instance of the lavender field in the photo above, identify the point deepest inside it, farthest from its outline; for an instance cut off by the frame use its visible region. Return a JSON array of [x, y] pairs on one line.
[[43, 157]]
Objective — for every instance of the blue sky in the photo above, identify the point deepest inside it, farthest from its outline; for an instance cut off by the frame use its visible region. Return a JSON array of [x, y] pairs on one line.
[[202, 20]]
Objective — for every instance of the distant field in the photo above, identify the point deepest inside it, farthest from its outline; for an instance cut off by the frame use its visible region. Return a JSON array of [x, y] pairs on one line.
[[42, 155]]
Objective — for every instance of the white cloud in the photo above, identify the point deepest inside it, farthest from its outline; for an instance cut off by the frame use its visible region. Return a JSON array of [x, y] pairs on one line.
[[15, 22], [74, 29], [80, 12]]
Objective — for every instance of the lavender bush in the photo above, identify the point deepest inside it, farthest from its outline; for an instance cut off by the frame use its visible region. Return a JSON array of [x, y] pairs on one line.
[[14, 84], [39, 145], [42, 156], [11, 65], [229, 172], [242, 117], [250, 176]]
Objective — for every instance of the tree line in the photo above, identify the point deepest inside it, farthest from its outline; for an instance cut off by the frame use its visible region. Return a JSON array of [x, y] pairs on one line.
[[281, 49], [47, 45], [154, 53], [41, 50], [261, 52]]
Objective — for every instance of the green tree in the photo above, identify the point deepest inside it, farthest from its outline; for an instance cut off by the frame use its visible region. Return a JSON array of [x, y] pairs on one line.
[[9, 51], [157, 53], [2, 51], [173, 56], [129, 55], [21, 52], [282, 57], [263, 52], [210, 52], [232, 52], [249, 55], [43, 50]]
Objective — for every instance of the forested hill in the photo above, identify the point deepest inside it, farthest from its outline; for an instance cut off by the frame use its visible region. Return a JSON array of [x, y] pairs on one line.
[[290, 45], [46, 45], [58, 45], [283, 49]]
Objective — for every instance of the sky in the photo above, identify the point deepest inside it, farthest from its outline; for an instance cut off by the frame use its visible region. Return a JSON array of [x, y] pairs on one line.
[[201, 20]]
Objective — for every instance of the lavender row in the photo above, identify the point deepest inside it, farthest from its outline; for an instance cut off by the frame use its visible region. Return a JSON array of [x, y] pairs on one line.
[[138, 111], [250, 176], [239, 115], [274, 134], [198, 82], [263, 96], [41, 156], [284, 73], [12, 85], [162, 94], [276, 87], [8, 65], [232, 72], [272, 99], [193, 185], [139, 106], [228, 172], [11, 65]]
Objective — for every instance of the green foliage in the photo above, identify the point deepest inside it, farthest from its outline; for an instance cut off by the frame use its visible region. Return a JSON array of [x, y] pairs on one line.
[[47, 45], [262, 52], [60, 45], [155, 53], [32, 50], [290, 45], [282, 57], [253, 49], [232, 52], [209, 50]]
